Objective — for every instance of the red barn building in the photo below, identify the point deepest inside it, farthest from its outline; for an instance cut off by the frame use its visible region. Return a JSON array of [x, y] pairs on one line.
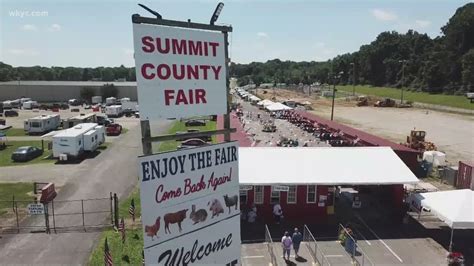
[[303, 180]]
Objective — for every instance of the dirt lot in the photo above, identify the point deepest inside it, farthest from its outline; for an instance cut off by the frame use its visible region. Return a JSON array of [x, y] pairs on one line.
[[452, 133]]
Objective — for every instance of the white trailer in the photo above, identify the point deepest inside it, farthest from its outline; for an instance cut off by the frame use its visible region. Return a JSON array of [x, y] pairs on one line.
[[28, 105], [130, 105], [110, 101], [113, 111], [22, 100], [73, 142], [42, 124], [96, 99]]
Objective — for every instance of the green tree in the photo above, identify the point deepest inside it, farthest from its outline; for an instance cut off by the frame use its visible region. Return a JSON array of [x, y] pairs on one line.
[[87, 93]]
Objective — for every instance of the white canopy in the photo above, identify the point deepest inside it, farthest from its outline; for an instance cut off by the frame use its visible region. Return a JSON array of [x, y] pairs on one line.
[[454, 207], [265, 102], [322, 165], [277, 107]]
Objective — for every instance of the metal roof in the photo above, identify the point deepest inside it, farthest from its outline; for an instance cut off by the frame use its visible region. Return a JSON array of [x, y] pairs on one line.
[[322, 166], [68, 83]]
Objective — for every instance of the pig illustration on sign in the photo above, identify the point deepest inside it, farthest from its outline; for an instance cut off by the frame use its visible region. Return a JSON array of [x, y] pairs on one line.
[[173, 218], [216, 207]]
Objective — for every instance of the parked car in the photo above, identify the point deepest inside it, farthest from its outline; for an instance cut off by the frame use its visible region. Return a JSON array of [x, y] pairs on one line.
[[194, 123], [113, 129], [26, 153], [9, 113], [128, 112], [104, 121], [192, 143]]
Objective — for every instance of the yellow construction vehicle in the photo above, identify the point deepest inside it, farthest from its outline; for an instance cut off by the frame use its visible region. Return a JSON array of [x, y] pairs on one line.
[[417, 141]]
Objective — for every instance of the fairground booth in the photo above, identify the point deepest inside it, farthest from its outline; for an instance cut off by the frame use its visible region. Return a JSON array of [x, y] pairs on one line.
[[307, 181]]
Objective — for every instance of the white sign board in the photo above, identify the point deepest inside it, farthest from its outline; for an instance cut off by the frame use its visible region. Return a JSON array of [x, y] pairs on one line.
[[280, 188], [180, 72], [35, 208], [190, 206]]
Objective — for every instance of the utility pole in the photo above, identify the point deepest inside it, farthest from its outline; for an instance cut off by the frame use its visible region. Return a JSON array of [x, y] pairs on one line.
[[403, 78], [353, 79], [334, 92]]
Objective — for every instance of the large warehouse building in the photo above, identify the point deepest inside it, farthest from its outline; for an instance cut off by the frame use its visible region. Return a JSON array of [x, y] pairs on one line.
[[60, 91]]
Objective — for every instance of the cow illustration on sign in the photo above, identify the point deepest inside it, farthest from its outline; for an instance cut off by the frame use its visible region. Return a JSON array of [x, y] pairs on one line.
[[231, 201], [173, 218], [216, 207], [198, 216]]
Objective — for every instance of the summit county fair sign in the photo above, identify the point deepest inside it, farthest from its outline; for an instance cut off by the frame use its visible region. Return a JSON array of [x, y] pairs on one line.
[[180, 72], [190, 206]]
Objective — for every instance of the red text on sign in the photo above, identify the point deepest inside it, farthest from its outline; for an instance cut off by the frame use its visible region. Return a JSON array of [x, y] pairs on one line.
[[180, 47], [180, 72], [180, 97]]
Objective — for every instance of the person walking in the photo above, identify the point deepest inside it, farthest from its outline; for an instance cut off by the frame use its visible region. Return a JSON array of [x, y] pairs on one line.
[[297, 238], [286, 243], [277, 213]]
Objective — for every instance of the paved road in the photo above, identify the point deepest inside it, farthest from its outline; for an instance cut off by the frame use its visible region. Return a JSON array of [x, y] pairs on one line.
[[112, 170]]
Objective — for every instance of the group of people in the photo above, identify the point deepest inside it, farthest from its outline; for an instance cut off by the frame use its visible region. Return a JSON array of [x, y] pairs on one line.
[[288, 241]]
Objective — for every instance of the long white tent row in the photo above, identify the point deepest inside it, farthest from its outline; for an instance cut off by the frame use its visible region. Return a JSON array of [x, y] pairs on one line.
[[277, 107], [322, 166], [265, 102], [454, 207]]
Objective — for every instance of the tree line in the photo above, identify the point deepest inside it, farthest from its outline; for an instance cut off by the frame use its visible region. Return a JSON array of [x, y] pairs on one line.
[[444, 64], [441, 65]]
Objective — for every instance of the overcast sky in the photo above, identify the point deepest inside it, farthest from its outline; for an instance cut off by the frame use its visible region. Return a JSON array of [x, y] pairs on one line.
[[99, 33]]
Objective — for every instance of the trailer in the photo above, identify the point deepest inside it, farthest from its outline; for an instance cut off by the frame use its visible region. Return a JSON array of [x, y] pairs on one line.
[[113, 111], [130, 105], [82, 118], [28, 105], [42, 124], [110, 101], [74, 142], [96, 99]]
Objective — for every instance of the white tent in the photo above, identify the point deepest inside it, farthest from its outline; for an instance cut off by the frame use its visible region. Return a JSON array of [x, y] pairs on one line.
[[265, 102], [277, 107], [454, 207], [322, 166]]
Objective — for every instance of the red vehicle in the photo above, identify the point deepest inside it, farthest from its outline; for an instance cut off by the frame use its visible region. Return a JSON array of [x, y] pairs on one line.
[[113, 129]]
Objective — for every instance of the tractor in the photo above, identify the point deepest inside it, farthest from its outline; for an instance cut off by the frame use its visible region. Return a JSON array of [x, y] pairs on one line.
[[387, 102], [416, 141]]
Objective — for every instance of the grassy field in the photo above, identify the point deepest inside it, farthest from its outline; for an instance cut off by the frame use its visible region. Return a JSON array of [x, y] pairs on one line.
[[130, 252], [421, 97], [14, 132], [5, 155], [20, 190], [179, 126]]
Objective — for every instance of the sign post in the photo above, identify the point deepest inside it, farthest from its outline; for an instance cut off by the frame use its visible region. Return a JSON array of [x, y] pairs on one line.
[[189, 198]]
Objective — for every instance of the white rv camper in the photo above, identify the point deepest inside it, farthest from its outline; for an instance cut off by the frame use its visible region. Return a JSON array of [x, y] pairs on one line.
[[28, 105], [42, 124], [113, 111], [110, 101], [130, 105], [96, 99], [76, 120], [73, 142]]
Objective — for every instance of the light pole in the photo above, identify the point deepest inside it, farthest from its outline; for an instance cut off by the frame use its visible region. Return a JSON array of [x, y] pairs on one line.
[[403, 78], [334, 93], [353, 79]]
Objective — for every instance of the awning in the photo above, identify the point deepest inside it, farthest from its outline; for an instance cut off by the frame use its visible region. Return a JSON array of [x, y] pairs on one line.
[[322, 165], [454, 207], [277, 107]]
